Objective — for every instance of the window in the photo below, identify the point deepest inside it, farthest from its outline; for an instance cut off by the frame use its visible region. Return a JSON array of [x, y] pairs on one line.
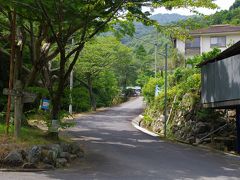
[[218, 41], [193, 43]]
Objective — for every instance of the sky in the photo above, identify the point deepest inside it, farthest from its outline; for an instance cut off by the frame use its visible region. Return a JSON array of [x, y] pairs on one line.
[[223, 5]]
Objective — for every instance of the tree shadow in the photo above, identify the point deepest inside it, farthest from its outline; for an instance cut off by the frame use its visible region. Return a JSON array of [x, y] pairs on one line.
[[115, 150]]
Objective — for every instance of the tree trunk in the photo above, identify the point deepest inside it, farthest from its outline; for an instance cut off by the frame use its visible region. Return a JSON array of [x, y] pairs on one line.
[[56, 104], [12, 18], [53, 130], [91, 94], [18, 107]]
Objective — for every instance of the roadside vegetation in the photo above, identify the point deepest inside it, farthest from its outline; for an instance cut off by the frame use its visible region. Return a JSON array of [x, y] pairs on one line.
[[44, 42], [187, 120]]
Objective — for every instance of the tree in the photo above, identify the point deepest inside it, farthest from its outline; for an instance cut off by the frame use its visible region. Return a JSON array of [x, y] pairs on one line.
[[235, 5], [50, 25], [125, 68], [144, 62], [97, 57]]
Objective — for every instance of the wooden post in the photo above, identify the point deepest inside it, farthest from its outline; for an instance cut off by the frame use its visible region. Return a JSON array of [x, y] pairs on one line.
[[18, 108], [11, 73], [20, 97], [238, 128]]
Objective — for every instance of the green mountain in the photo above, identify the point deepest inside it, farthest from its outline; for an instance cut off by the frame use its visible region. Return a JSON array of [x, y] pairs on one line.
[[161, 19], [146, 35], [168, 18]]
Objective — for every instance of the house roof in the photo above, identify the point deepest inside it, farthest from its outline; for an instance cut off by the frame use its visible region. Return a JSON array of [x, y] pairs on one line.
[[216, 29], [231, 51]]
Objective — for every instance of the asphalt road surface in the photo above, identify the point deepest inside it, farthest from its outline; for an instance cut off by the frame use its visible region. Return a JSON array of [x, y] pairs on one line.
[[116, 150]]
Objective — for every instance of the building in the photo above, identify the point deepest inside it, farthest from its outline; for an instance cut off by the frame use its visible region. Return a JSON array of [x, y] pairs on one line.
[[204, 40]]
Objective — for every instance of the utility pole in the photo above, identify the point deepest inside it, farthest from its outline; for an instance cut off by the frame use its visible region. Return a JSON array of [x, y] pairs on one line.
[[156, 45], [165, 91], [155, 68], [71, 87]]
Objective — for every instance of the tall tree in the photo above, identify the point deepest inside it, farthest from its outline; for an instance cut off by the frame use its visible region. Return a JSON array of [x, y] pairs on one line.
[[97, 56], [235, 5], [55, 23]]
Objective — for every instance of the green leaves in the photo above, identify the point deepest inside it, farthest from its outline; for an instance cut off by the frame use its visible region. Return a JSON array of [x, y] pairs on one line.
[[194, 61], [98, 55]]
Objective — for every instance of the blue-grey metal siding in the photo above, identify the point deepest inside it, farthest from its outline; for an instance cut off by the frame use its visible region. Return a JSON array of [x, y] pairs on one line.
[[221, 81]]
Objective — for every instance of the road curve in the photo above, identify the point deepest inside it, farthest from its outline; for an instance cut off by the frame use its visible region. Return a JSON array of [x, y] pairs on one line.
[[116, 150]]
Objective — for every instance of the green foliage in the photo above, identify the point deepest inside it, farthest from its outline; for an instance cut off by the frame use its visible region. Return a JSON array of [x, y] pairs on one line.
[[2, 117], [209, 114], [204, 57], [183, 84], [147, 120], [103, 67], [29, 136], [143, 77], [235, 5], [106, 88], [97, 56], [80, 99], [125, 68], [148, 90], [49, 26], [41, 92], [231, 16]]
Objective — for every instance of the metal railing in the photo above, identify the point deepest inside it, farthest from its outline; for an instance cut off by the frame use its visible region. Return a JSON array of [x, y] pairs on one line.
[[211, 133]]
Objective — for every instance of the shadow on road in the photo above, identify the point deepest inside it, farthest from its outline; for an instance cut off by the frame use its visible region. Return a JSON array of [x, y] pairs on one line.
[[115, 150]]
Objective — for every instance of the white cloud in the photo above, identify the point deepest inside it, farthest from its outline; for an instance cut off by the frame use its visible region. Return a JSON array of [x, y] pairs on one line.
[[223, 5]]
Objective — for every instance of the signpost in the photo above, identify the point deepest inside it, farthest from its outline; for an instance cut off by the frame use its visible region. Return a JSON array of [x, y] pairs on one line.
[[27, 97], [45, 104], [20, 97]]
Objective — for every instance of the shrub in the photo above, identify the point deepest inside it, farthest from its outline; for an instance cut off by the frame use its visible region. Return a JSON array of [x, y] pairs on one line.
[[148, 90]]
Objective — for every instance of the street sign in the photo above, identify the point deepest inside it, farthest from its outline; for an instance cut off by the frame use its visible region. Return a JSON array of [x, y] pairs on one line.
[[27, 97], [157, 90], [45, 104]]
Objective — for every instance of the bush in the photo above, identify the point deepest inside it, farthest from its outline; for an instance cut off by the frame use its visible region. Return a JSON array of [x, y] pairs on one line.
[[106, 89], [148, 90], [80, 99]]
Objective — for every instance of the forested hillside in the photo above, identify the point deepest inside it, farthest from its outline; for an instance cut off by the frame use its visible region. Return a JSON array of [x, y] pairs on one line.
[[145, 35], [231, 16]]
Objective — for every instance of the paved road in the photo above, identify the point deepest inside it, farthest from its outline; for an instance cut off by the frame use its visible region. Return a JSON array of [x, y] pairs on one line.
[[115, 150]]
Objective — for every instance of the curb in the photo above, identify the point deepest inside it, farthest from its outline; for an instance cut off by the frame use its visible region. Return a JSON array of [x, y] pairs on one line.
[[135, 123], [24, 170]]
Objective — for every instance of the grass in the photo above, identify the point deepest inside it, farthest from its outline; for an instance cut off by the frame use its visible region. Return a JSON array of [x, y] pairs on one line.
[[28, 136], [33, 134]]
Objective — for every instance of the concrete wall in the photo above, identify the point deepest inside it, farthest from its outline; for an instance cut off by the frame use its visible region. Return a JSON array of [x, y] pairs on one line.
[[205, 44], [206, 41], [232, 39], [221, 81], [180, 45]]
